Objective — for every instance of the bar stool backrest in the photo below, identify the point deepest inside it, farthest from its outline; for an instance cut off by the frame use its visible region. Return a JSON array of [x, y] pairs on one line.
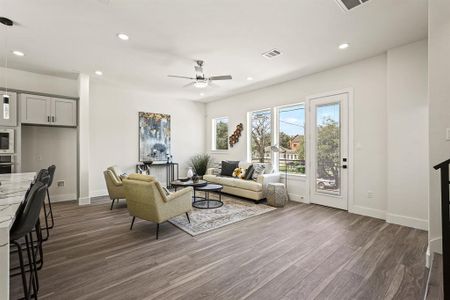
[[51, 172], [28, 217]]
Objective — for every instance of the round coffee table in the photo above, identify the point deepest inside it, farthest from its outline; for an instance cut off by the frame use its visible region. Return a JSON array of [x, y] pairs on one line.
[[207, 202], [197, 184]]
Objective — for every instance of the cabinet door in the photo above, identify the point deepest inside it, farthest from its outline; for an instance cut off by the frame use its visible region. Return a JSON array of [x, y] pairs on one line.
[[64, 112], [12, 121], [35, 109]]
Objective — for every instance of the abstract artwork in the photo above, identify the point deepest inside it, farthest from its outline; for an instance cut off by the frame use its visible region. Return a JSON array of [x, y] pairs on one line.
[[154, 136]]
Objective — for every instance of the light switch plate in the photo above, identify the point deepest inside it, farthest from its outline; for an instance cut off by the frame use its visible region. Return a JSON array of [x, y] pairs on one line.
[[447, 137]]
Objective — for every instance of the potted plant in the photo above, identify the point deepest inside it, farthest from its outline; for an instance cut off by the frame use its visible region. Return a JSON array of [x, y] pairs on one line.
[[200, 163]]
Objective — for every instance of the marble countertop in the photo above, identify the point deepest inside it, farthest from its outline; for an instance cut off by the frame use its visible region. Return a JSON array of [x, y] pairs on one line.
[[12, 191]]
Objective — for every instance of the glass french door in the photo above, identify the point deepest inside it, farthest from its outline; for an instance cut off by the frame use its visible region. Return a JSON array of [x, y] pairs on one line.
[[329, 150]]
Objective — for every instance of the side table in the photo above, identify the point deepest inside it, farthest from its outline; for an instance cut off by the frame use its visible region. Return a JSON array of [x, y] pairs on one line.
[[276, 194]]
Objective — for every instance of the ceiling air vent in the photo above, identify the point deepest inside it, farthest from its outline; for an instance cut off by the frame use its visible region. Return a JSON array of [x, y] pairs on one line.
[[350, 4], [271, 54]]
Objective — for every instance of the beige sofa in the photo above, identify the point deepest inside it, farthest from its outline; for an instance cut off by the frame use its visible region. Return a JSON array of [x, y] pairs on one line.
[[255, 190]]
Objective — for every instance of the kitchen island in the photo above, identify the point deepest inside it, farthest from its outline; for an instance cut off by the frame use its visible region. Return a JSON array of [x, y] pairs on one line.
[[12, 191]]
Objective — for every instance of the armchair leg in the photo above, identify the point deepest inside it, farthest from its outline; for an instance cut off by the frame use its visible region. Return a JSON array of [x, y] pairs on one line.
[[112, 203], [187, 216], [132, 222], [157, 230]]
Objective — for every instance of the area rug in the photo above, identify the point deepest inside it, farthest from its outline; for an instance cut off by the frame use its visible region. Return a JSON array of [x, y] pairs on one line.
[[232, 211]]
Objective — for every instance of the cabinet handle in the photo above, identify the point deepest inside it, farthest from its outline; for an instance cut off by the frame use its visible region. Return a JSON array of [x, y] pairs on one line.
[[53, 119], [48, 119]]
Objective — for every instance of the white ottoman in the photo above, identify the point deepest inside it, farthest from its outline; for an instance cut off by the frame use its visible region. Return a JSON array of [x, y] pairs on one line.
[[276, 194]]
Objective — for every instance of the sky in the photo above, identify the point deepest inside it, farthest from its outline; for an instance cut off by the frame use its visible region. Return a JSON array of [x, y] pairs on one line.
[[292, 120]]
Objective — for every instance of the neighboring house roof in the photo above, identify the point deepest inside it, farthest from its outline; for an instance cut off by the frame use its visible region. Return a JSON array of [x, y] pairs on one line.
[[296, 139]]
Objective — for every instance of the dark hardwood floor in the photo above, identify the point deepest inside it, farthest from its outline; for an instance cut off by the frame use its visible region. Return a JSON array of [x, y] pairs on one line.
[[297, 252]]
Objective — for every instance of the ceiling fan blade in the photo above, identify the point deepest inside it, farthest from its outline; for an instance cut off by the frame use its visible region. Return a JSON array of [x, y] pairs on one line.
[[221, 77], [183, 77]]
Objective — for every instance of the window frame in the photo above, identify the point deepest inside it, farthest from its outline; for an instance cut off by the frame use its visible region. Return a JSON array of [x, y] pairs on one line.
[[277, 111], [249, 131], [214, 134]]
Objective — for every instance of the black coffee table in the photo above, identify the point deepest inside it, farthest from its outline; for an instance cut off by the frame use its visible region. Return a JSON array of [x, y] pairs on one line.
[[207, 202], [203, 186], [197, 184]]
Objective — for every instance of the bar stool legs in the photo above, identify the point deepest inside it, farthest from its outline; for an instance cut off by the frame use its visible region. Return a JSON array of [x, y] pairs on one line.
[[31, 284]]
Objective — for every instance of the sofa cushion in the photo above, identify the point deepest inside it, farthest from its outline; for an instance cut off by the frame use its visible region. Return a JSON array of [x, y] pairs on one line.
[[234, 182], [248, 185], [259, 169], [249, 173], [228, 167]]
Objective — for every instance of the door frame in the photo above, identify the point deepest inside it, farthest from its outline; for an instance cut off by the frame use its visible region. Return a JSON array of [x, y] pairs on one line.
[[309, 176]]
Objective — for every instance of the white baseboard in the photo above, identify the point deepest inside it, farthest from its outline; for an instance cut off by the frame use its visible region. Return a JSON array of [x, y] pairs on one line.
[[428, 258], [297, 198], [435, 245], [98, 193], [84, 200], [366, 211], [63, 197], [407, 221]]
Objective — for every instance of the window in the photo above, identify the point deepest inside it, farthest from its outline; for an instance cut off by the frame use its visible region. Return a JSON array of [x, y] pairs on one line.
[[220, 134], [292, 139], [261, 135]]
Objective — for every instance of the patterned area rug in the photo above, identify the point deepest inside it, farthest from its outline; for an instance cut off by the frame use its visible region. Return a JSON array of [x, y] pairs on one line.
[[232, 211]]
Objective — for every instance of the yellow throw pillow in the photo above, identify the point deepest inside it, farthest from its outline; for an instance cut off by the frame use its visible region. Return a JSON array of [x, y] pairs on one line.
[[239, 173]]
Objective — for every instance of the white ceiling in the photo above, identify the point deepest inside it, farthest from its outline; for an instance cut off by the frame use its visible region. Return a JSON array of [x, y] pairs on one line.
[[65, 37]]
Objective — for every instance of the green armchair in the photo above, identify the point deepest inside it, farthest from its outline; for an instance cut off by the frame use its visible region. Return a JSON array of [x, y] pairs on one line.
[[147, 200], [114, 184]]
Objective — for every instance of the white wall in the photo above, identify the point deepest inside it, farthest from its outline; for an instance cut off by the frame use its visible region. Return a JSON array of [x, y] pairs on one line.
[[439, 106], [407, 133], [83, 139], [45, 146], [114, 129], [368, 79]]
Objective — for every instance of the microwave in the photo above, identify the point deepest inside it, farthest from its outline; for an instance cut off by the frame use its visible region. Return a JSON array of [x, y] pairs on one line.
[[6, 141]]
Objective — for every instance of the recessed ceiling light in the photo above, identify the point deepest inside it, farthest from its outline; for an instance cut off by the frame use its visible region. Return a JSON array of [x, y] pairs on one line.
[[123, 36], [249, 78], [18, 53], [202, 94], [343, 46], [99, 73]]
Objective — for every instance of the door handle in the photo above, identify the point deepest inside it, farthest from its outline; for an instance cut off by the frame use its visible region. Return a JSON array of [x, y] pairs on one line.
[[344, 166]]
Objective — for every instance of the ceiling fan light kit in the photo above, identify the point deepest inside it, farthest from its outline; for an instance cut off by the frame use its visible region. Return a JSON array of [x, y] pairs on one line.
[[200, 81]]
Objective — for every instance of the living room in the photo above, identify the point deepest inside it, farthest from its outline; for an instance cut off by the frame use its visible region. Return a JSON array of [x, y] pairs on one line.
[[294, 157]]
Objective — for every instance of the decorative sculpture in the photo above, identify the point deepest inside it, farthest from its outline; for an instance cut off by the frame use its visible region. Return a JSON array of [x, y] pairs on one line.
[[234, 138]]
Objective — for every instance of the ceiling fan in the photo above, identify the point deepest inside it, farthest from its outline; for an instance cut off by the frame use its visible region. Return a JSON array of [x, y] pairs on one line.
[[200, 81]]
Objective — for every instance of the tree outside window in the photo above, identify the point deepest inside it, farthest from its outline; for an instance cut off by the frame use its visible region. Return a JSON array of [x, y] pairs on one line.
[[220, 134], [261, 135]]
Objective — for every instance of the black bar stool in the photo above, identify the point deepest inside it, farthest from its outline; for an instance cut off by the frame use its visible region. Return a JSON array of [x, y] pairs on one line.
[[44, 178], [50, 172], [27, 219]]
